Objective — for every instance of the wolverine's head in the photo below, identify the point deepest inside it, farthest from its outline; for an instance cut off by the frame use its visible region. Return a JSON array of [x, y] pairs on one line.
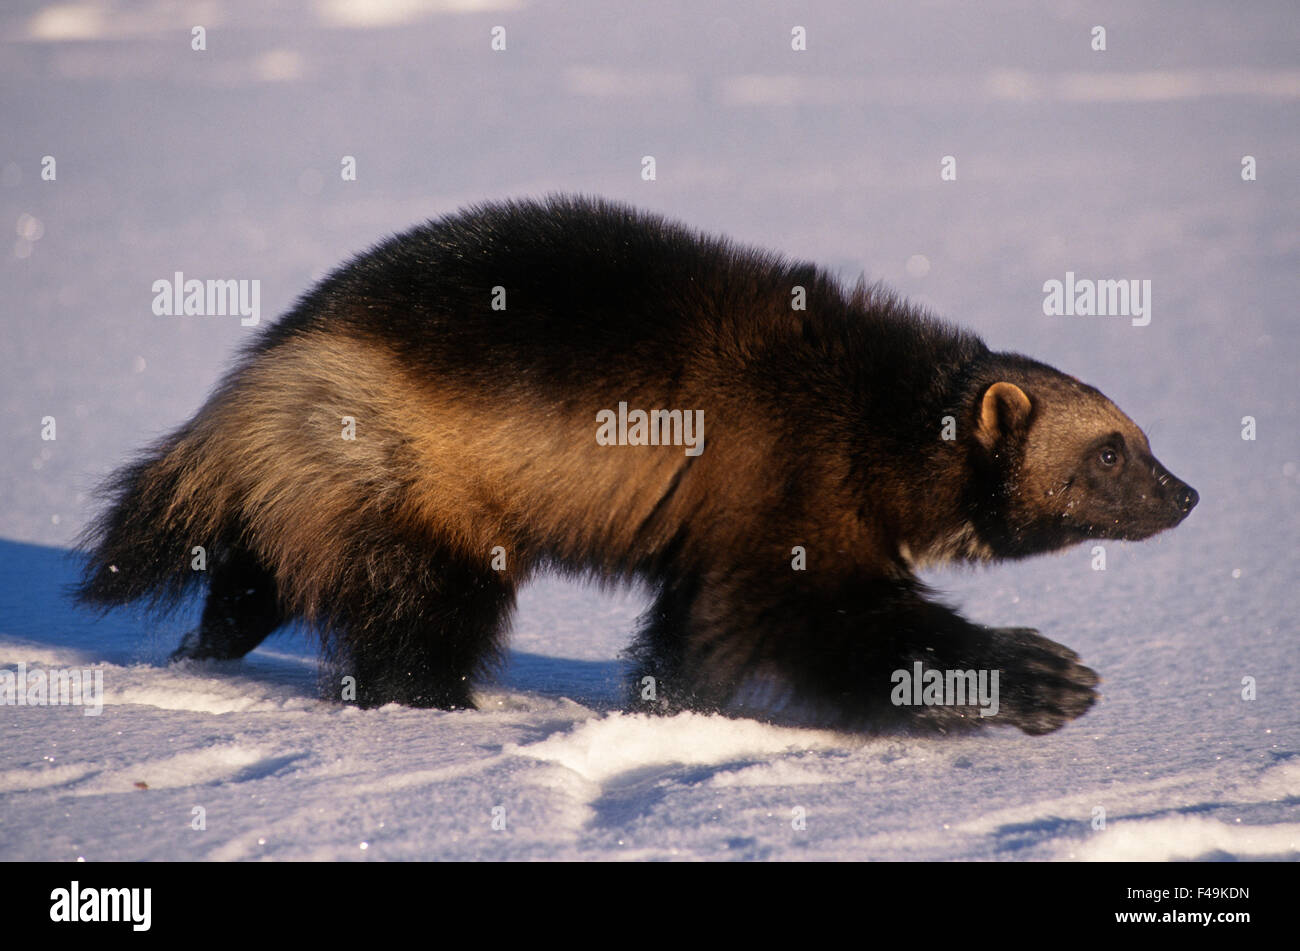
[[1060, 463]]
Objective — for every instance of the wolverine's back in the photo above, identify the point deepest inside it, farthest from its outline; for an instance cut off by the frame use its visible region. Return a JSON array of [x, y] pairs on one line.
[[548, 287]]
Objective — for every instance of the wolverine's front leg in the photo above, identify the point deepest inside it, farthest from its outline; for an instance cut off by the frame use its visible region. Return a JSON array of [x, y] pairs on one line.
[[875, 654]]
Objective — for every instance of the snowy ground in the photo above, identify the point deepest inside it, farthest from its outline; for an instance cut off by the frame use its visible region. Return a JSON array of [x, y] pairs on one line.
[[1122, 164]]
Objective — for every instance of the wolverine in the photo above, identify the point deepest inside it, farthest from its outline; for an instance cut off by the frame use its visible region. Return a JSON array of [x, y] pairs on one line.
[[421, 434]]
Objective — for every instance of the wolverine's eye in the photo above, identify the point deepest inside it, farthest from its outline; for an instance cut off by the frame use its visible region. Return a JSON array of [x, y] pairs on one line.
[[1109, 457]]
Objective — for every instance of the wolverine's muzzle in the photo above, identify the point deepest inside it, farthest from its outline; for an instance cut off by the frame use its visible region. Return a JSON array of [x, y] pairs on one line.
[[1179, 494]]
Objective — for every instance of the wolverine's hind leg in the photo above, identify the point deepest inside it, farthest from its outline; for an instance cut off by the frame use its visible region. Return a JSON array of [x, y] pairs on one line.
[[659, 681], [241, 610], [418, 626]]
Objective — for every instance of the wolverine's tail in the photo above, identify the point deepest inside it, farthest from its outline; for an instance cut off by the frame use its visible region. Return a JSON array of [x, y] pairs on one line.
[[160, 510]]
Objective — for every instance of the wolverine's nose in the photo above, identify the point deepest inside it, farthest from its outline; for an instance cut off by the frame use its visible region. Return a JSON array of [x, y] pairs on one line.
[[1187, 499]]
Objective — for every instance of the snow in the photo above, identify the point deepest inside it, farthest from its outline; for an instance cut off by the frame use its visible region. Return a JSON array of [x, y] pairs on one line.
[[1188, 837], [601, 749], [224, 164]]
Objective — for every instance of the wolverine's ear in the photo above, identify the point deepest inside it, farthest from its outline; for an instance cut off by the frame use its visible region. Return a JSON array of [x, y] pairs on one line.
[[1003, 411]]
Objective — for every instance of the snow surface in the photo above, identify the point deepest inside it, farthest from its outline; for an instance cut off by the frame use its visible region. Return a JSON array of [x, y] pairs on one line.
[[224, 164]]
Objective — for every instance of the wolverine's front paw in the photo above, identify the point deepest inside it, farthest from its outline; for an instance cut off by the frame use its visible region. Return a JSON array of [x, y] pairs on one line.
[[1042, 684]]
